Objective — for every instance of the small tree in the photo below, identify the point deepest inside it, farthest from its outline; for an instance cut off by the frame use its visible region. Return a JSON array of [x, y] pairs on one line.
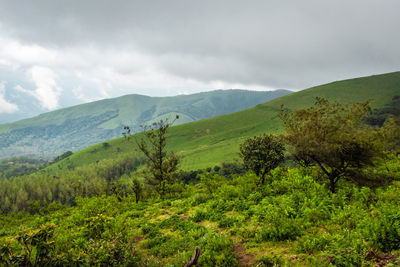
[[137, 189], [334, 138], [262, 154], [160, 164]]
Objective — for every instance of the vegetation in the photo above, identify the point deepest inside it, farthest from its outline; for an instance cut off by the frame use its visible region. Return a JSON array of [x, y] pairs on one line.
[[29, 193], [160, 165], [104, 213], [262, 154], [80, 126], [291, 221], [215, 141], [334, 138], [63, 156], [18, 166], [380, 115]]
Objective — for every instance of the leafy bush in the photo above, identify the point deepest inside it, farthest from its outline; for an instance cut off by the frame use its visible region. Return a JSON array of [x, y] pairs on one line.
[[217, 251], [285, 229], [227, 222], [270, 260], [200, 215], [96, 225], [383, 229]]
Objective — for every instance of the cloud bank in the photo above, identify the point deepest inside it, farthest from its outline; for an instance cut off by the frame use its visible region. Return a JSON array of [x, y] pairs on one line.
[[88, 50], [5, 106]]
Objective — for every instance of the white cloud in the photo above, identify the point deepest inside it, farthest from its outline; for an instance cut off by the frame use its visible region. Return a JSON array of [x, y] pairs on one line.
[[47, 91], [5, 106], [14, 51], [144, 46]]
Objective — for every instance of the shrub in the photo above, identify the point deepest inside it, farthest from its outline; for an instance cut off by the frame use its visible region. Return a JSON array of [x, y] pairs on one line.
[[285, 229], [383, 229], [227, 222], [200, 215], [270, 260], [217, 251]]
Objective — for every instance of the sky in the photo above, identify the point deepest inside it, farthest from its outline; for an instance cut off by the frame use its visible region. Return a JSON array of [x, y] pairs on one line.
[[55, 54]]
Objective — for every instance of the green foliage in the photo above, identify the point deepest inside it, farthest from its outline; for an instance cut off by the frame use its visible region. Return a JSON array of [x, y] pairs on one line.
[[36, 248], [211, 182], [383, 230], [62, 156], [270, 260], [96, 225], [18, 166], [217, 251], [200, 215], [380, 115], [137, 189], [33, 192], [293, 218], [161, 165], [262, 154], [333, 137]]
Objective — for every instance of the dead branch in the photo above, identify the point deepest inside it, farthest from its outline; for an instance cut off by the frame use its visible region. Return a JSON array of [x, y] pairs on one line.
[[195, 257]]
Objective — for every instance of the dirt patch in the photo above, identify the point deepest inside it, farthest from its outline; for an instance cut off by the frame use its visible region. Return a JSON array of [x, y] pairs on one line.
[[382, 259], [185, 217], [138, 238], [240, 253]]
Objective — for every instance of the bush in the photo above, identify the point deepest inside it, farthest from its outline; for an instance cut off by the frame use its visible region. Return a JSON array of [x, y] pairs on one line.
[[382, 229], [270, 260], [200, 215], [201, 198], [313, 243], [227, 222], [285, 229], [217, 251]]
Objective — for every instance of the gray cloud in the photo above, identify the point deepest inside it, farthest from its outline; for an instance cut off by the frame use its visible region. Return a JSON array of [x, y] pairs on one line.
[[271, 44]]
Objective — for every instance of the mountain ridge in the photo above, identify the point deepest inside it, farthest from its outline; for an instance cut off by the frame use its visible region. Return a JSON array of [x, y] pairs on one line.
[[76, 127]]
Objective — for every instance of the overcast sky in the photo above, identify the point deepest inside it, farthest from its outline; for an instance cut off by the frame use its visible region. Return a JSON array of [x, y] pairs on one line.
[[60, 53]]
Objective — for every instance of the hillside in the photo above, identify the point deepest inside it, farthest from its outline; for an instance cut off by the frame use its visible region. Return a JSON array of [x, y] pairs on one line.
[[93, 208], [77, 127], [213, 141]]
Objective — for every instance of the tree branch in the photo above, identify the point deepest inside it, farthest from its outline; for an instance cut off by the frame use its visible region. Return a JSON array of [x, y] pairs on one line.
[[195, 257]]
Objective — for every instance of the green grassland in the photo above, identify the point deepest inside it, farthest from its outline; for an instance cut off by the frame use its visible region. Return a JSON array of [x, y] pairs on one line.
[[212, 141]]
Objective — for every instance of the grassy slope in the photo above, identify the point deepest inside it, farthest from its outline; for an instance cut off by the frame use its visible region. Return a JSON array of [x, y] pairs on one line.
[[74, 128], [130, 107], [213, 141]]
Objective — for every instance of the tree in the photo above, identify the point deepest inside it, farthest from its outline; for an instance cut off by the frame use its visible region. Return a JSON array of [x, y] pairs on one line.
[[262, 154], [137, 189], [161, 165], [334, 138]]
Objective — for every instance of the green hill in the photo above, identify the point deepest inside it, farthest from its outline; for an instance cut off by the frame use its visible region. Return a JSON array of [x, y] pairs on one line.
[[94, 214], [77, 127], [212, 141]]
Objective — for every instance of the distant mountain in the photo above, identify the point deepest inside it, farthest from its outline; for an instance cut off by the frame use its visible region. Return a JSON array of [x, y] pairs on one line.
[[77, 127]]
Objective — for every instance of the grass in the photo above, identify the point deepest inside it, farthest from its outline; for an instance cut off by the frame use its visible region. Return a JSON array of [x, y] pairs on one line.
[[212, 141]]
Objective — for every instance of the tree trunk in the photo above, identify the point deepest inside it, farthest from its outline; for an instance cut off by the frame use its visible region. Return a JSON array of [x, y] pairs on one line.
[[332, 183]]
